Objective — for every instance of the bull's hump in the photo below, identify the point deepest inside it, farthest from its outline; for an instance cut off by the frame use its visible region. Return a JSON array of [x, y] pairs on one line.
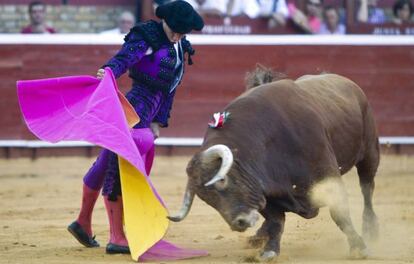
[[320, 77], [271, 85]]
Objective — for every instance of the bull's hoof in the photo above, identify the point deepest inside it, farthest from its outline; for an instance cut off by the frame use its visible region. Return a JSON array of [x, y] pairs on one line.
[[357, 253], [264, 257], [370, 230], [268, 255], [256, 241]]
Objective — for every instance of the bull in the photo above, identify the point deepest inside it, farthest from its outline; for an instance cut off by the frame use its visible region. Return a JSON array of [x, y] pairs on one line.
[[282, 141]]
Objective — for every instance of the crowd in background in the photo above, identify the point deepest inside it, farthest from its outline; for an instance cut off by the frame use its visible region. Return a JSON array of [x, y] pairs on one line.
[[316, 17]]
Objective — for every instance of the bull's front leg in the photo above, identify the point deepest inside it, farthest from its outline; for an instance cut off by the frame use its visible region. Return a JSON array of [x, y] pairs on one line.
[[261, 236], [274, 226]]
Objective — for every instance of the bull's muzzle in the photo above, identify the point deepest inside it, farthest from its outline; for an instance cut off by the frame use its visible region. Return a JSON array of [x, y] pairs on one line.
[[244, 221]]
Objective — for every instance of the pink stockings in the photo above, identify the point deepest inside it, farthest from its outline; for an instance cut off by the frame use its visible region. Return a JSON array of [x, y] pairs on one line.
[[89, 197], [114, 210], [93, 182]]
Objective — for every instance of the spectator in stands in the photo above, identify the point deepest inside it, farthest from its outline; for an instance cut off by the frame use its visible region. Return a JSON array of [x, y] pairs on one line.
[[331, 23], [309, 21], [276, 10], [369, 12], [210, 7], [125, 22], [403, 11], [37, 14]]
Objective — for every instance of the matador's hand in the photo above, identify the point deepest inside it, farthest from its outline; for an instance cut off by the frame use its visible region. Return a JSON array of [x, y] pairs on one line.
[[155, 128], [100, 74]]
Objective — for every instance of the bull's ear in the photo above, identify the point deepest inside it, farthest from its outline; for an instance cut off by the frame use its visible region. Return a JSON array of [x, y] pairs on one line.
[[195, 171], [190, 167], [194, 165], [220, 182]]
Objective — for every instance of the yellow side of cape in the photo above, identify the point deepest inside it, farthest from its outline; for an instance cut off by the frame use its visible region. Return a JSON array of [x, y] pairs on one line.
[[144, 216]]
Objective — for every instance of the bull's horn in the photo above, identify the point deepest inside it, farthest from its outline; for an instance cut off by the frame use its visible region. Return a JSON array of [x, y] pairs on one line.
[[186, 206], [226, 156]]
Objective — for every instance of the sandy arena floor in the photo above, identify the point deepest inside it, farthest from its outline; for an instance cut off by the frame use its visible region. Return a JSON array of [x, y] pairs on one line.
[[38, 199]]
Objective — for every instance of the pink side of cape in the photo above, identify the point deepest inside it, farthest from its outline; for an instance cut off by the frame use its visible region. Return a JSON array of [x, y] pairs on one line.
[[85, 108]]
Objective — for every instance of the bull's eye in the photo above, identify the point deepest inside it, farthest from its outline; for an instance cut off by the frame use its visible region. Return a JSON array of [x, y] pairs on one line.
[[221, 184]]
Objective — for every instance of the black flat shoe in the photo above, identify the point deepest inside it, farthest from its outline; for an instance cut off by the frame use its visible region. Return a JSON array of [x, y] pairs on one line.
[[76, 230], [116, 249]]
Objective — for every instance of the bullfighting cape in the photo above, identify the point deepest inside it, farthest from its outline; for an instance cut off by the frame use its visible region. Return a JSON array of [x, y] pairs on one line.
[[85, 108]]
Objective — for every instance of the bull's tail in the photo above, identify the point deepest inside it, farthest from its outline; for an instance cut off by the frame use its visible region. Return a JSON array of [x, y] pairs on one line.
[[261, 75], [367, 169]]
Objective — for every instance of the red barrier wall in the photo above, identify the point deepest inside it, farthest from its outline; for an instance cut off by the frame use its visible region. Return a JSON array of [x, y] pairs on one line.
[[384, 72]]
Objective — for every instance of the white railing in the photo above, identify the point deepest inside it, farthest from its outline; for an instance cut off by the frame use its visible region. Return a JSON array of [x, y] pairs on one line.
[[277, 40], [162, 141]]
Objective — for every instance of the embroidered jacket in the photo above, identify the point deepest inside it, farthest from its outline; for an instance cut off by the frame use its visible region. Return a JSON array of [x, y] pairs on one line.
[[151, 60]]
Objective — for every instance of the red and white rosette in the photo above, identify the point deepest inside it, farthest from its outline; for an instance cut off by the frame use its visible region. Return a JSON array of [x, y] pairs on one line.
[[218, 119]]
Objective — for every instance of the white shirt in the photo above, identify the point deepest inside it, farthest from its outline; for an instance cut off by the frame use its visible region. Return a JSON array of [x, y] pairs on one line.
[[178, 57], [179, 50], [245, 7], [268, 7], [340, 30], [220, 5]]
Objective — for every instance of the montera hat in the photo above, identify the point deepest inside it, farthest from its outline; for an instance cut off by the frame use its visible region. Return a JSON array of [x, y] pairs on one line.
[[180, 16]]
